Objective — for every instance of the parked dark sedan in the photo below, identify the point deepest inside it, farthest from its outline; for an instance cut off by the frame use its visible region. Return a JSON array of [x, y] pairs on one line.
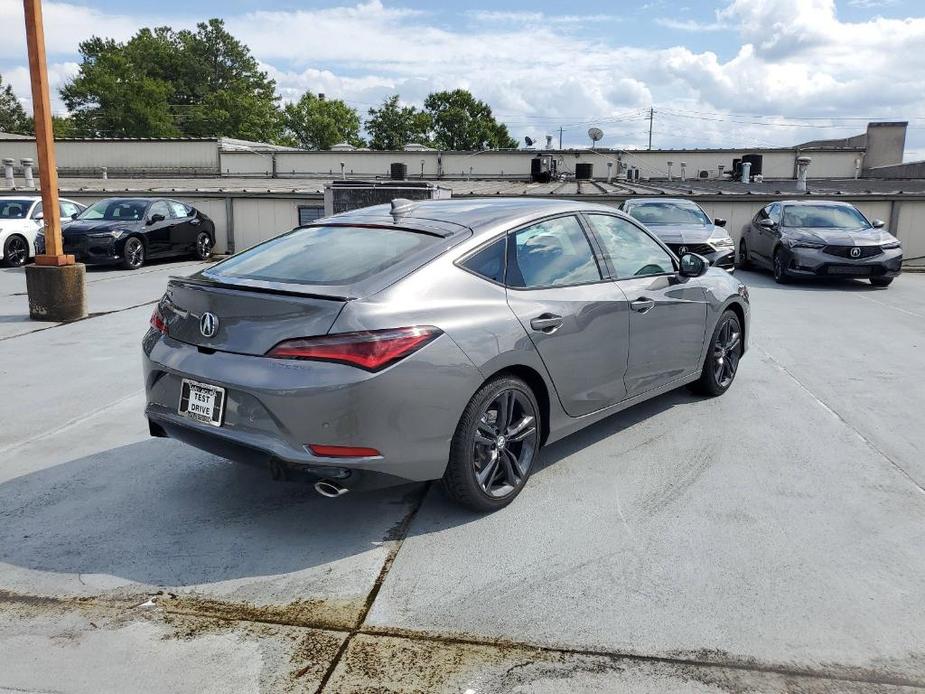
[[435, 339], [131, 230], [685, 228], [796, 238]]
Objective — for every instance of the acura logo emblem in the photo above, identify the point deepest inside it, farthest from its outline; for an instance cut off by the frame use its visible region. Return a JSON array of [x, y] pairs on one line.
[[208, 324], [855, 252]]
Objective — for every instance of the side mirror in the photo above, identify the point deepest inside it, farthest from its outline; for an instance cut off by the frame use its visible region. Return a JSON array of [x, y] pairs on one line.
[[877, 224], [155, 218], [767, 223], [73, 215], [719, 221], [693, 265], [39, 216]]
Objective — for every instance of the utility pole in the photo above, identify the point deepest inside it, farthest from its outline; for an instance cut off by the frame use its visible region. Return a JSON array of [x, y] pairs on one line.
[[55, 284], [651, 114], [560, 137]]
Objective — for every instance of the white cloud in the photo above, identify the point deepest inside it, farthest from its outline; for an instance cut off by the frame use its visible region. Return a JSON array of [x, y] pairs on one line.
[[795, 59]]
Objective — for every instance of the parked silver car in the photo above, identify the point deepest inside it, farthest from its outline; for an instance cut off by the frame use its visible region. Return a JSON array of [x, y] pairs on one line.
[[439, 339]]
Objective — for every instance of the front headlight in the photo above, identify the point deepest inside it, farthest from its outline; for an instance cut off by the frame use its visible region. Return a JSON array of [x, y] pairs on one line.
[[720, 239], [114, 234], [800, 243], [891, 245]]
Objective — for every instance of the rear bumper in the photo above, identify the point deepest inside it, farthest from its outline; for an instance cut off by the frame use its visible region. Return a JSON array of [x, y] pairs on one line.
[[811, 262], [274, 408]]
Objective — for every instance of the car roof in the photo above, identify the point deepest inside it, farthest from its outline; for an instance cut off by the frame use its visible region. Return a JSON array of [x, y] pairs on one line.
[[675, 201], [31, 198], [826, 203], [476, 214]]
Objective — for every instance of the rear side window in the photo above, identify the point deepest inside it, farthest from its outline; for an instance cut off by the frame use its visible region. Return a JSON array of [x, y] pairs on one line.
[[326, 255], [178, 210], [488, 262], [553, 253]]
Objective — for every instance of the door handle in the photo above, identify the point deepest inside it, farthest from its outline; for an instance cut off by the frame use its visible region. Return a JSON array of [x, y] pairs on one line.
[[194, 221], [642, 304], [547, 323]]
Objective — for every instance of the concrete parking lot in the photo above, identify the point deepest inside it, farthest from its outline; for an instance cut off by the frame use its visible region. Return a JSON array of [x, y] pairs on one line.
[[769, 540]]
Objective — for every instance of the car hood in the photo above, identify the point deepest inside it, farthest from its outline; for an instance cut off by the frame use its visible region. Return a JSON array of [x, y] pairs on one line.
[[79, 227], [861, 236], [683, 233]]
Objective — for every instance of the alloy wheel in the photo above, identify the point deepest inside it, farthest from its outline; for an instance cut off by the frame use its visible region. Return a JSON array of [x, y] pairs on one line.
[[134, 252], [204, 246], [727, 349], [17, 251], [505, 443]]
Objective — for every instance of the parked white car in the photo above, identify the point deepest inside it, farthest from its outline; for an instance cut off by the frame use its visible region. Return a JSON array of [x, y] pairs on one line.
[[20, 220]]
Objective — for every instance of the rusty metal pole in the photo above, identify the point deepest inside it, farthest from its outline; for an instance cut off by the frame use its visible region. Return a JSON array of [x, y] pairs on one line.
[[55, 284]]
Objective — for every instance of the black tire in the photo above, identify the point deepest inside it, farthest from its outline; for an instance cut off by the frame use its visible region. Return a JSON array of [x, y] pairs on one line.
[[204, 246], [15, 251], [744, 262], [723, 355], [881, 281], [505, 455], [780, 272], [133, 253]]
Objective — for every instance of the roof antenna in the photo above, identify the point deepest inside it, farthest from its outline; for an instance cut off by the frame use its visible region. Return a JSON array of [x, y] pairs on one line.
[[401, 206]]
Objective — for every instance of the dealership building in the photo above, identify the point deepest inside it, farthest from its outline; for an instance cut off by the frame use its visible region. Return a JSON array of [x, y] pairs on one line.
[[254, 191]]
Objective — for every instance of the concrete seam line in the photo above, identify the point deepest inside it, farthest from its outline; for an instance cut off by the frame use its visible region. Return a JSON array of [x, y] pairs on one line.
[[89, 316], [70, 423], [841, 419], [895, 308], [398, 534]]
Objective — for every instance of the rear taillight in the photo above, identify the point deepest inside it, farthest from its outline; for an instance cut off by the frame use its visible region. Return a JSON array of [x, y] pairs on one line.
[[372, 350], [157, 321]]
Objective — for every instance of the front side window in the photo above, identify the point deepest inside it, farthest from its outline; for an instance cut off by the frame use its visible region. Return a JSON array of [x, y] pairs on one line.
[[68, 209], [116, 210], [774, 213], [159, 207], [553, 253], [824, 217], [631, 251]]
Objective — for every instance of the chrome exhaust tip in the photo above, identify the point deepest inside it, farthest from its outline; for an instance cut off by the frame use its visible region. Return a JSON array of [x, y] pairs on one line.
[[330, 489]]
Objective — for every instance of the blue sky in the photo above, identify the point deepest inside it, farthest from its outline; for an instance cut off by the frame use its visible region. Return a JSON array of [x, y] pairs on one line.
[[724, 72]]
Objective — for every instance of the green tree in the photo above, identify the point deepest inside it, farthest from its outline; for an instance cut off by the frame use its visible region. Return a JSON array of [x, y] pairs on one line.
[[462, 122], [13, 117], [316, 123], [164, 83], [63, 126], [392, 126]]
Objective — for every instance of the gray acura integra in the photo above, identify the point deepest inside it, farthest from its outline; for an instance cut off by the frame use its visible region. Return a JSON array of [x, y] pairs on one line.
[[434, 340]]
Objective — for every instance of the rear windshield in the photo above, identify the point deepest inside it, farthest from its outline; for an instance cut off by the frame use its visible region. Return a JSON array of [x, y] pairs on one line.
[[327, 255], [656, 213], [823, 217]]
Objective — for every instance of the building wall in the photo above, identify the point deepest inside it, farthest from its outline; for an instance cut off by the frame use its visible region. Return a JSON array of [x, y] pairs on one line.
[[124, 155], [885, 144], [775, 164]]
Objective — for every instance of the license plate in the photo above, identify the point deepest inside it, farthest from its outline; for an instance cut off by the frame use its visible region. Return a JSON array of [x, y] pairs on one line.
[[202, 402], [848, 270]]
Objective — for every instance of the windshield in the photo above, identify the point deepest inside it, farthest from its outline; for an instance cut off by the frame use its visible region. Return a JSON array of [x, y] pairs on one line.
[[116, 210], [324, 255], [14, 209], [823, 217], [655, 213]]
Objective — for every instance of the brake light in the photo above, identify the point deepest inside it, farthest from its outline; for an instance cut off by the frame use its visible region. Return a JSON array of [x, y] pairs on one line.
[[342, 451], [371, 350], [157, 321]]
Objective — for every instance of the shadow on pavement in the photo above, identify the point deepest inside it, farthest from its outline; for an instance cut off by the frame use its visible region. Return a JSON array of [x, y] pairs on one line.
[[765, 280], [161, 513]]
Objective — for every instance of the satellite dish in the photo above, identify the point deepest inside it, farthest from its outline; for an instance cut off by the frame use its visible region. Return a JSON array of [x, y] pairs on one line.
[[529, 140], [595, 134]]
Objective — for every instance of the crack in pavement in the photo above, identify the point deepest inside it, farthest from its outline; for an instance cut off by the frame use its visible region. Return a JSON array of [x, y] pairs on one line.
[[873, 446], [89, 316]]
